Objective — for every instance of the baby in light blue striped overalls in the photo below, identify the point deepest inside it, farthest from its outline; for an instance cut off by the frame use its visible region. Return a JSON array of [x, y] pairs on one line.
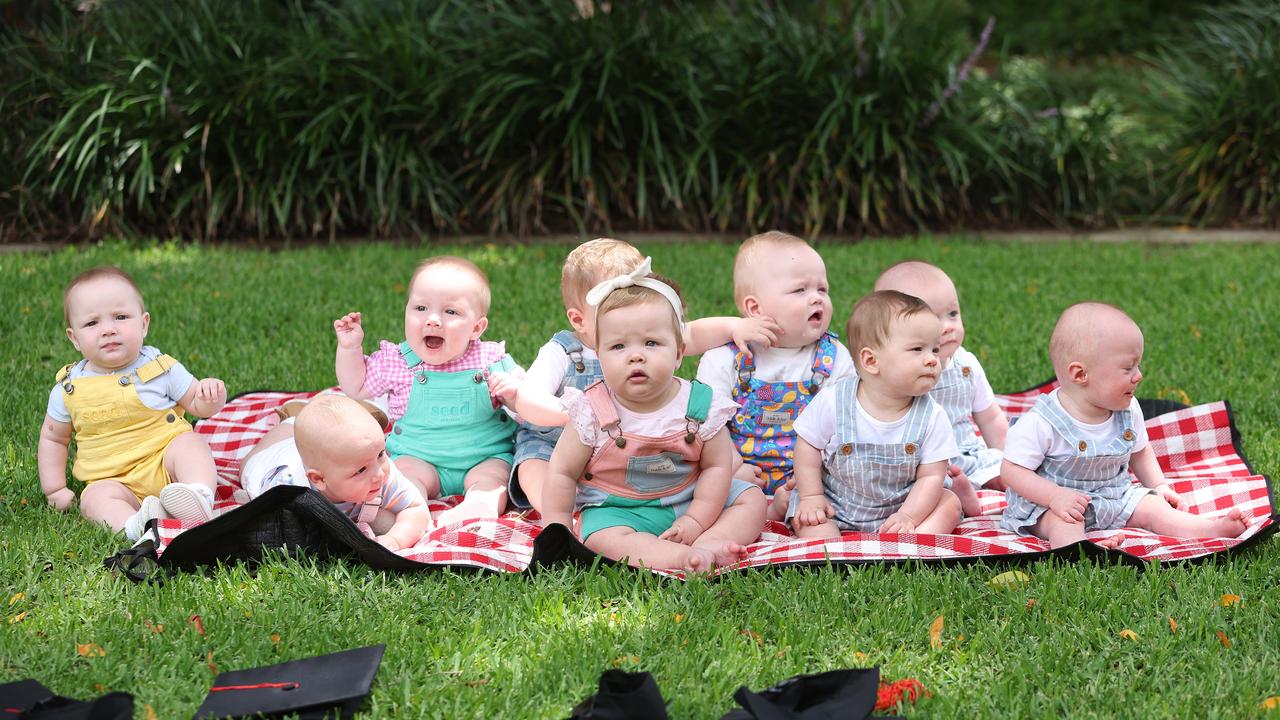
[[978, 423], [1067, 461], [873, 449]]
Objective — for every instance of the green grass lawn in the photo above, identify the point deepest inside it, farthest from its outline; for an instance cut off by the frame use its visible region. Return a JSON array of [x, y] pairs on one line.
[[480, 646]]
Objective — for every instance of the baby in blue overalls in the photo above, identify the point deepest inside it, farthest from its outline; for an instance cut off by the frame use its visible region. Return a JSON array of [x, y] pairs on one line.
[[779, 276], [450, 436], [962, 389], [1067, 462], [569, 360], [873, 449]]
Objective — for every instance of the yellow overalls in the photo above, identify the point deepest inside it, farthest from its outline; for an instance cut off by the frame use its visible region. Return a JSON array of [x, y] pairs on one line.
[[117, 436]]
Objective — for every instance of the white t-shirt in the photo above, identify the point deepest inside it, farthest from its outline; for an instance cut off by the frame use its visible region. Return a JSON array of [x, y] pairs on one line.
[[664, 421], [548, 369], [1031, 439], [773, 364], [161, 393], [817, 426]]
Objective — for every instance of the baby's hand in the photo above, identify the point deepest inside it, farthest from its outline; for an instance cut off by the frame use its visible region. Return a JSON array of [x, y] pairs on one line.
[[1069, 505], [684, 531], [813, 510], [1170, 496], [349, 331], [212, 392], [505, 387], [762, 331], [898, 522], [61, 499], [750, 473]]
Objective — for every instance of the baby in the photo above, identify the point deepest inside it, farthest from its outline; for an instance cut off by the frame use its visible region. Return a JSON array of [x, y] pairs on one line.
[[337, 447], [569, 360], [1067, 461], [125, 403], [873, 448], [779, 276], [651, 451], [962, 389], [450, 436]]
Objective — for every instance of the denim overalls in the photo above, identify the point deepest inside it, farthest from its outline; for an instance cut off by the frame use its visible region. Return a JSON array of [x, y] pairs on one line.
[[1099, 470], [762, 428], [867, 482], [535, 442]]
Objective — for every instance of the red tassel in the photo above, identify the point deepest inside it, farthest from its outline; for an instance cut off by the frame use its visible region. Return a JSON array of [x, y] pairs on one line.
[[891, 695]]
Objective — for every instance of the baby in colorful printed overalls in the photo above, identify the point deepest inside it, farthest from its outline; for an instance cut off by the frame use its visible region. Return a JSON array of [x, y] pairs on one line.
[[873, 449], [1067, 461], [647, 452], [962, 389], [569, 360], [125, 403], [337, 447], [450, 436], [779, 276]]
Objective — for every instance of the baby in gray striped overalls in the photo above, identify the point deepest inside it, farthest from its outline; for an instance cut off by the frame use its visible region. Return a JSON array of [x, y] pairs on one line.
[[872, 450], [1067, 461], [978, 423]]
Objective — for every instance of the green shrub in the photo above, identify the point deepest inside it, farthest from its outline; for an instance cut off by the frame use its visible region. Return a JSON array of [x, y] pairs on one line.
[[1222, 93], [1084, 27]]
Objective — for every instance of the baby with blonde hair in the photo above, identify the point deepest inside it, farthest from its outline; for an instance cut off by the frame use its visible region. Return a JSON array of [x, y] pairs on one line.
[[1067, 461]]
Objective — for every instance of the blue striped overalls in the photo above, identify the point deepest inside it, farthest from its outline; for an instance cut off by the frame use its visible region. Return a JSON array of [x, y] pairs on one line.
[[1099, 470], [954, 392]]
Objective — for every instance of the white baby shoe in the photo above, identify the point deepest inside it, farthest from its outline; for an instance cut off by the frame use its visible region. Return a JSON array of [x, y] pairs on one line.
[[152, 509], [188, 502]]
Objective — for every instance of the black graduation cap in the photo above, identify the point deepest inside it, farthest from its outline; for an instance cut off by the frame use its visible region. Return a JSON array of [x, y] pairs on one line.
[[623, 696], [319, 687], [29, 700], [835, 695]]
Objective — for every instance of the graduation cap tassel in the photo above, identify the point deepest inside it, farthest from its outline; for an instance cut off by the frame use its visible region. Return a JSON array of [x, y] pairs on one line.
[[259, 686]]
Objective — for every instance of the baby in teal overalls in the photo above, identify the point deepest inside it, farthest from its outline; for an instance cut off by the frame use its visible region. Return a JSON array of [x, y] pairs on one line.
[[450, 437]]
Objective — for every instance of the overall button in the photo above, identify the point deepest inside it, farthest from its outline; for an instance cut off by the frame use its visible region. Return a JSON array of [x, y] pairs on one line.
[[580, 366], [68, 388], [620, 442], [587, 476], [964, 371], [398, 430], [422, 378], [1083, 446], [479, 378], [846, 449], [170, 418], [910, 448], [1128, 435], [124, 380]]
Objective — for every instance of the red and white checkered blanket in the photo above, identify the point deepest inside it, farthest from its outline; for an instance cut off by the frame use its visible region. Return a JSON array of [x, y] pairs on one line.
[[1195, 447]]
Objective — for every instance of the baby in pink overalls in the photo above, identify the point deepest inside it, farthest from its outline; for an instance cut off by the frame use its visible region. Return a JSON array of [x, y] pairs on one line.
[[648, 452]]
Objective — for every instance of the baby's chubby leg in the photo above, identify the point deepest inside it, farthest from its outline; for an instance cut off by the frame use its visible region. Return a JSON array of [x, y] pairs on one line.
[[189, 460], [643, 549], [532, 476], [275, 435], [945, 515], [1155, 514], [421, 473], [108, 502], [1057, 531], [486, 493], [738, 526]]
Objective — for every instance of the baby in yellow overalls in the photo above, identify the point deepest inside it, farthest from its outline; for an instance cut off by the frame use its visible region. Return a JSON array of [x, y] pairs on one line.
[[135, 451]]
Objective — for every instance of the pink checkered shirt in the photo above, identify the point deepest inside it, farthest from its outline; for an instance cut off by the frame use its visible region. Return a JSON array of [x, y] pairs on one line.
[[387, 371]]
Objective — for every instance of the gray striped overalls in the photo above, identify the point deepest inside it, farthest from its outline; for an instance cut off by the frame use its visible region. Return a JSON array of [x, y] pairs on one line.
[[1099, 470], [954, 392], [868, 482]]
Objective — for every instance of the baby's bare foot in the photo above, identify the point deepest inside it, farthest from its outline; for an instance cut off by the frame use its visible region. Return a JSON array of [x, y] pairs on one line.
[[1232, 524], [724, 552], [699, 560], [1112, 542], [778, 505], [969, 502]]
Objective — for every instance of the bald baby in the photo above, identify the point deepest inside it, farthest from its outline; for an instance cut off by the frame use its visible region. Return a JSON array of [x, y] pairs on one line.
[[1088, 331], [332, 427]]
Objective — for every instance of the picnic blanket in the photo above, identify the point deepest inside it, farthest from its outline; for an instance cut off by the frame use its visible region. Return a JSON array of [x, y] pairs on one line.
[[1198, 449]]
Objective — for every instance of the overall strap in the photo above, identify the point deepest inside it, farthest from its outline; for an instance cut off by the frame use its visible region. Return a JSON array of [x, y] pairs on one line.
[[602, 405], [155, 368], [919, 416], [847, 407], [572, 347], [1057, 417], [64, 372], [506, 363], [699, 405], [824, 360], [744, 366]]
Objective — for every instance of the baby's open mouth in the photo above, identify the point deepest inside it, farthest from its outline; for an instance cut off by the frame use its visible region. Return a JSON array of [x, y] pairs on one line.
[[816, 317], [433, 342], [637, 375]]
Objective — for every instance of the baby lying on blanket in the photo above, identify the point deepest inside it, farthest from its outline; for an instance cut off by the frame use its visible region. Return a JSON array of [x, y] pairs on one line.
[[335, 446]]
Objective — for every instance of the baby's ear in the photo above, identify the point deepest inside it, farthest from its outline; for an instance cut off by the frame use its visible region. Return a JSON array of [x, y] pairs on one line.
[[479, 329], [1077, 373], [750, 306], [316, 478], [576, 319], [868, 361]]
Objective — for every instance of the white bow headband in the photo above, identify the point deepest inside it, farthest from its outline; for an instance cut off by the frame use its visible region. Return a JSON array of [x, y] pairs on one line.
[[639, 276]]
